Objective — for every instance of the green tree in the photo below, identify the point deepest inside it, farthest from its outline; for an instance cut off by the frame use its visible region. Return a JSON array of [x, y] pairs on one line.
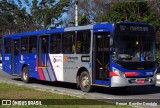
[[89, 11], [83, 20], [132, 11], [47, 12], [13, 18]]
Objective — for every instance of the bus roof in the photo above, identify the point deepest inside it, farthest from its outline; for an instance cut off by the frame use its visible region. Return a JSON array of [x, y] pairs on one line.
[[104, 25], [31, 33]]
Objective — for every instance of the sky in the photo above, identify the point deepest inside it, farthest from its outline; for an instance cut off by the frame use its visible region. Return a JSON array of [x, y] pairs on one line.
[[64, 15], [28, 8], [24, 5]]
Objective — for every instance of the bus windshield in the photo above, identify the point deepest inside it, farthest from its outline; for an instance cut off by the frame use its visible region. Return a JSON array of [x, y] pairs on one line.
[[134, 47]]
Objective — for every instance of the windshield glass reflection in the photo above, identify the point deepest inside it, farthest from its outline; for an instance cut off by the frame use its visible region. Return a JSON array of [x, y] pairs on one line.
[[134, 48]]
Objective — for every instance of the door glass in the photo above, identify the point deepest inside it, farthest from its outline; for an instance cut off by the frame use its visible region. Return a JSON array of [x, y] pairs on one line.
[[43, 50], [16, 48], [102, 56], [44, 45]]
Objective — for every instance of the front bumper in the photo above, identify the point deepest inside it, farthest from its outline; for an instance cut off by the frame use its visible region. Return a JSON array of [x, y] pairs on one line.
[[119, 81]]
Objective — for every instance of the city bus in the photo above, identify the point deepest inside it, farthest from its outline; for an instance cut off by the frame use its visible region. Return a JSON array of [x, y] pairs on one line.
[[116, 55]]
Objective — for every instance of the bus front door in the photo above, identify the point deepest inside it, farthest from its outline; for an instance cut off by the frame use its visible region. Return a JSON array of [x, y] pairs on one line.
[[15, 56], [43, 50], [101, 58]]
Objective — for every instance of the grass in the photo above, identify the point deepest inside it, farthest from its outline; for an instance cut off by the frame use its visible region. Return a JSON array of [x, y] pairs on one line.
[[9, 91]]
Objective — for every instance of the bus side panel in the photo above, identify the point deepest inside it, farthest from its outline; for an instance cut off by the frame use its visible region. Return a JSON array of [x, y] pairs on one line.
[[72, 63], [46, 73], [30, 61], [70, 69], [55, 67], [32, 66], [6, 61]]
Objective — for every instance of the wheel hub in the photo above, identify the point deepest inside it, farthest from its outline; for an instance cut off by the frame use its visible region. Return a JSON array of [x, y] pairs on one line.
[[25, 75], [85, 81]]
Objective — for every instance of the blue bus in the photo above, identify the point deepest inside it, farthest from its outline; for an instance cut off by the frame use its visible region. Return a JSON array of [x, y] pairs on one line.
[[108, 54]]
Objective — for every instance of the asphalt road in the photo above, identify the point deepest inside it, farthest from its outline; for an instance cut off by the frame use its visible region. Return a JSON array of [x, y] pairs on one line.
[[132, 94]]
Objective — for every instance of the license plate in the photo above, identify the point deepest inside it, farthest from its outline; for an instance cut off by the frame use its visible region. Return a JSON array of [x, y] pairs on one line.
[[140, 81]]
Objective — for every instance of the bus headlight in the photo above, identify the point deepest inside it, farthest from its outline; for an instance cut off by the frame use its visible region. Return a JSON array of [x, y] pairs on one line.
[[118, 72]]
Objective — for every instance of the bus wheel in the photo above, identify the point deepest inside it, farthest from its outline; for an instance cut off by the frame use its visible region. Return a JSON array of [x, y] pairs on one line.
[[85, 83], [77, 80], [25, 75]]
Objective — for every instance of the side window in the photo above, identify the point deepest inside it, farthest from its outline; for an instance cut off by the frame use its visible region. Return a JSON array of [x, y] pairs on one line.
[[55, 44], [83, 41], [68, 41], [32, 44], [24, 45], [7, 45]]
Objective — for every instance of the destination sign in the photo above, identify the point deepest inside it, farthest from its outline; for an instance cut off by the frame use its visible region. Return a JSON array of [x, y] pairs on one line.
[[137, 28], [133, 28], [130, 28]]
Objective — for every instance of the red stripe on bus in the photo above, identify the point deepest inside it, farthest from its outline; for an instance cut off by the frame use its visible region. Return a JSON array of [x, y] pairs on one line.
[[39, 70], [130, 73], [40, 73], [112, 74]]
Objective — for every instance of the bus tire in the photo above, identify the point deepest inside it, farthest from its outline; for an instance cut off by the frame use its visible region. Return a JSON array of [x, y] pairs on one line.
[[25, 75], [78, 82], [85, 82]]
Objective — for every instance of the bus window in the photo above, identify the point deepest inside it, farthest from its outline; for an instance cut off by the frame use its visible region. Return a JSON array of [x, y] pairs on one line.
[[32, 44], [7, 45], [55, 44], [68, 43], [83, 42], [24, 45]]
